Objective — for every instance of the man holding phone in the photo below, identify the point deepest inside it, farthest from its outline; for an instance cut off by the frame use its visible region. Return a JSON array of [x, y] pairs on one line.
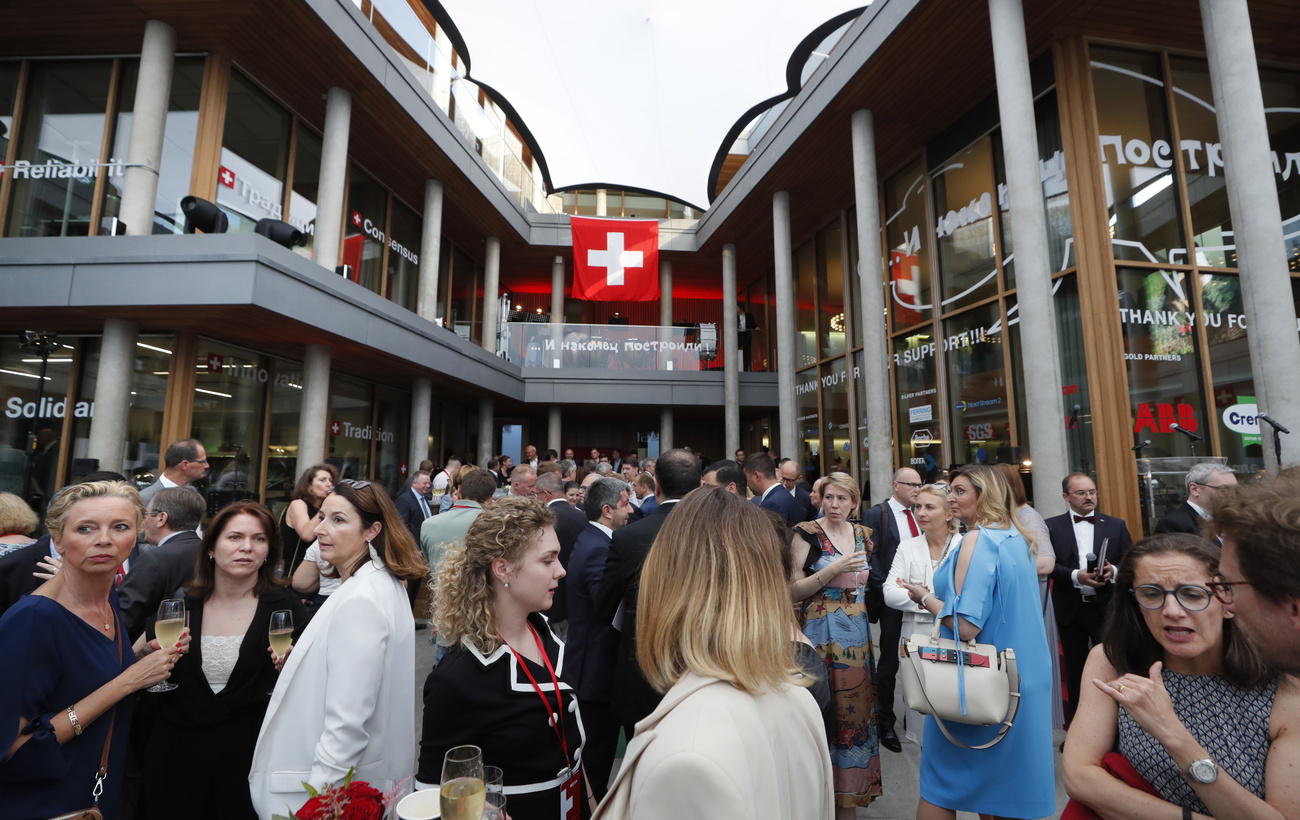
[[1088, 545]]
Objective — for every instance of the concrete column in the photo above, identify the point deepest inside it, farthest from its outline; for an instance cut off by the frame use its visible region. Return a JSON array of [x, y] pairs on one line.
[[555, 356], [875, 344], [491, 293], [148, 122], [730, 353], [602, 206], [113, 393], [427, 302], [665, 430], [314, 415], [554, 430], [1045, 408], [1256, 222], [421, 410], [331, 194], [665, 292], [787, 441], [486, 427]]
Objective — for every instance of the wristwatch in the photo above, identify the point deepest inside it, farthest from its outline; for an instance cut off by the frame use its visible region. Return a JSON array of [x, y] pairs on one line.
[[1203, 770]]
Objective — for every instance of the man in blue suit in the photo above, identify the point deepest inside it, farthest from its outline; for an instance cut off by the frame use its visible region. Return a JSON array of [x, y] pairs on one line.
[[760, 475], [591, 646]]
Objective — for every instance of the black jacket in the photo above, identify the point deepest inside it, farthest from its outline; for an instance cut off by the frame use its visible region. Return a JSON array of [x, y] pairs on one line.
[[569, 524], [1066, 598], [591, 643], [156, 575], [1181, 519], [408, 507], [16, 568]]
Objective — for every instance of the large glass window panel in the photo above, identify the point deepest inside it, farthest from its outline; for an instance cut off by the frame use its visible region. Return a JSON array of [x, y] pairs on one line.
[[1160, 355], [910, 240], [8, 94], [805, 295], [53, 180], [282, 466], [350, 428], [1056, 194], [254, 156], [404, 256], [1234, 385], [808, 420], [964, 192], [363, 233], [460, 318], [33, 405], [830, 285], [920, 416], [836, 440], [977, 387], [391, 434], [306, 187], [229, 406], [1136, 155], [178, 143]]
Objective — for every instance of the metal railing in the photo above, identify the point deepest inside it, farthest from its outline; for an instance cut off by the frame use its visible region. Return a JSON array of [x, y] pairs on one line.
[[612, 347]]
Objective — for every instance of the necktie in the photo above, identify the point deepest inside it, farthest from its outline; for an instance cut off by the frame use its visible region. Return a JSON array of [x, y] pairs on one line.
[[1084, 519], [911, 523], [424, 505], [120, 577]]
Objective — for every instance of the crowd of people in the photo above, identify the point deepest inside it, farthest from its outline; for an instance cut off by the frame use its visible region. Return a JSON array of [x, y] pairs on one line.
[[737, 625]]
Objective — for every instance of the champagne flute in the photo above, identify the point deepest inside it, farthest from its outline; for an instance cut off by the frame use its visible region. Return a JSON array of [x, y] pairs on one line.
[[280, 634], [463, 791], [169, 626], [493, 780]]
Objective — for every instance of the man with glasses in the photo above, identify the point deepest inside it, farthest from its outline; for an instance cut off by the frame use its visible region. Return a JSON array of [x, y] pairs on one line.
[[1259, 569], [1204, 481], [891, 521], [1081, 590], [791, 476], [184, 463]]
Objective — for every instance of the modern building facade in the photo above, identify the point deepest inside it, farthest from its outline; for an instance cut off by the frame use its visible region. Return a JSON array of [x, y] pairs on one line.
[[450, 329]]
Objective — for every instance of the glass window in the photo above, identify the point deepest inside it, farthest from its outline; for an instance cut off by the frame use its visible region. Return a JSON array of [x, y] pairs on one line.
[[178, 143], [350, 428], [805, 294], [1225, 333], [1056, 193], [364, 237], [306, 187], [977, 387], [229, 406], [908, 235], [392, 434], [753, 345], [1136, 155], [963, 198], [807, 419], [830, 286], [461, 285], [254, 156], [58, 149], [836, 441], [1160, 355], [404, 256], [855, 282], [33, 405], [916, 382], [8, 93], [282, 466]]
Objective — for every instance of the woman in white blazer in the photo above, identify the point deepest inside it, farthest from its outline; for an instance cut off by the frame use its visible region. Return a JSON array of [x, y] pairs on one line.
[[914, 563], [737, 734], [346, 697]]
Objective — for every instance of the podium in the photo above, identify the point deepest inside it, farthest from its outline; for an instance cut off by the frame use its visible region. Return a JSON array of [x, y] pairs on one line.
[[1162, 484]]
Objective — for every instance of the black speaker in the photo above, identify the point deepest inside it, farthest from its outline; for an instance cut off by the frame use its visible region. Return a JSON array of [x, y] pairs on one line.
[[202, 215]]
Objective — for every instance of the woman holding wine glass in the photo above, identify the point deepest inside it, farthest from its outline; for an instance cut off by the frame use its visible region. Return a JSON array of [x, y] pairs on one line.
[[69, 688], [236, 613], [503, 664], [346, 698]]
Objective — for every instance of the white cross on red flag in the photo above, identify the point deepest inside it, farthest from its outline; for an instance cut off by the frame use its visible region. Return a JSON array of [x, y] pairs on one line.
[[615, 260]]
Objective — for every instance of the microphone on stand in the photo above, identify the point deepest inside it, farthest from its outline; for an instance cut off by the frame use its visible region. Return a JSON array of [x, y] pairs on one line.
[[1275, 425], [1137, 448], [1191, 435]]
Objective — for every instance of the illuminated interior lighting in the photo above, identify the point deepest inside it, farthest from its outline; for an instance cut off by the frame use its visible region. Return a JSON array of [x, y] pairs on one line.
[[20, 373], [153, 347], [38, 361], [213, 393]]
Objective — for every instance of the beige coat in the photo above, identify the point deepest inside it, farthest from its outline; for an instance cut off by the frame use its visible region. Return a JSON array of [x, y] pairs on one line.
[[713, 751]]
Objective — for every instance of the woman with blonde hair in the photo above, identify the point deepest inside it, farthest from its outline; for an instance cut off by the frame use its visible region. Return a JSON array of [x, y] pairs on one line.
[[503, 661], [17, 523], [986, 590], [736, 735], [830, 585]]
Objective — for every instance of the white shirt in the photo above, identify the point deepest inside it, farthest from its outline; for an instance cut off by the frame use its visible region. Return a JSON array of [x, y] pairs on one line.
[[609, 533], [327, 585], [166, 482], [1084, 535], [1202, 512], [900, 518], [440, 481]]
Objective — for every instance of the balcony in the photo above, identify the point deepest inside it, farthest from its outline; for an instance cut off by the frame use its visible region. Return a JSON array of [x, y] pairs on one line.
[[535, 345]]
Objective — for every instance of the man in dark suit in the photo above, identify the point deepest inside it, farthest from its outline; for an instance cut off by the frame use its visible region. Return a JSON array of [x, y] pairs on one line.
[[791, 475], [678, 472], [170, 521], [891, 522], [746, 325], [413, 508], [1203, 484], [16, 571], [1080, 596], [760, 475], [592, 642], [569, 524]]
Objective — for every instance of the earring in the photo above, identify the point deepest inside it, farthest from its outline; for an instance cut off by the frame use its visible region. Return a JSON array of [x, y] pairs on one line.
[[507, 584], [212, 557]]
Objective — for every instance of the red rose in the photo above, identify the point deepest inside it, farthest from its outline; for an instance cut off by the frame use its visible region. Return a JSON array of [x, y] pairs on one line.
[[364, 808], [311, 809], [360, 788]]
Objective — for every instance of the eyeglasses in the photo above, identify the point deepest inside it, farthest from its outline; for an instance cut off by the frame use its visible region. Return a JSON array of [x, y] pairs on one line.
[[1210, 486], [1190, 597], [915, 485], [355, 484], [1223, 589], [149, 514]]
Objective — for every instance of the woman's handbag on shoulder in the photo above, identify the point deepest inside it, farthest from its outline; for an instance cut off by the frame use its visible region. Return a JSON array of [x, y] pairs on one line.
[[961, 681], [93, 812]]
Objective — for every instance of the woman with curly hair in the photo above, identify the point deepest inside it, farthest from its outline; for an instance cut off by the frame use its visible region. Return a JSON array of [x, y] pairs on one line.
[[504, 662]]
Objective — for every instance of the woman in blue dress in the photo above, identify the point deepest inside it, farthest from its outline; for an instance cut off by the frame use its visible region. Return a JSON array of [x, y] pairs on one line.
[[992, 592]]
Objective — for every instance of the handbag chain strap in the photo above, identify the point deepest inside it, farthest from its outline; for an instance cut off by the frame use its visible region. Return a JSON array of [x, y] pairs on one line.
[[102, 774]]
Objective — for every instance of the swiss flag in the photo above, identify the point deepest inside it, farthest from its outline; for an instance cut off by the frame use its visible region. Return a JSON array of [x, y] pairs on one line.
[[905, 278], [615, 260], [226, 177]]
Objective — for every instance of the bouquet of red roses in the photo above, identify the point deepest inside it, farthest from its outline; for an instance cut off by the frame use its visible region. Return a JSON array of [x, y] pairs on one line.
[[349, 800]]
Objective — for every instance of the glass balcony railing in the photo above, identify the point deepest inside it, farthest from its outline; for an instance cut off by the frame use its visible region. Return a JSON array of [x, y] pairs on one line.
[[612, 347]]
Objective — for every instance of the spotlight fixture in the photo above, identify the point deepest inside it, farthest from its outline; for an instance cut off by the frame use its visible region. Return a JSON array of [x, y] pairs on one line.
[[281, 233], [202, 215]]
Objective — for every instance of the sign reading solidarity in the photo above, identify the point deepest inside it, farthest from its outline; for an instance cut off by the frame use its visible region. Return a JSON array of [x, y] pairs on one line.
[[615, 260]]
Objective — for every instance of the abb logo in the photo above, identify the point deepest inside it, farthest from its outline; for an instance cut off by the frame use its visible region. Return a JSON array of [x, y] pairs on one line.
[[1160, 417]]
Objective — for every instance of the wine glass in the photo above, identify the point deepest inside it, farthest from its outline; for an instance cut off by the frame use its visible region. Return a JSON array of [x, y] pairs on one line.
[[280, 633], [463, 791], [493, 779], [168, 626]]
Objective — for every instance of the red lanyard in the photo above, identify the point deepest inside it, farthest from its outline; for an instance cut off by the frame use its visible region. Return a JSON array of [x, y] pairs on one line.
[[556, 726]]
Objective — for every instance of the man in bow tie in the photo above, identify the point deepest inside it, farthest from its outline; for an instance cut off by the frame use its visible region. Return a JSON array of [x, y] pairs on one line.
[[1080, 588]]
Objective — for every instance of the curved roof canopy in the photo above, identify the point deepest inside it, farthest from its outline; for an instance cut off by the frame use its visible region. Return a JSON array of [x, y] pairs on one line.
[[637, 94]]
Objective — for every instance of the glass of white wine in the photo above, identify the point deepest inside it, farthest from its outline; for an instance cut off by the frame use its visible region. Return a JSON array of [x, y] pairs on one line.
[[463, 791], [280, 633], [169, 626]]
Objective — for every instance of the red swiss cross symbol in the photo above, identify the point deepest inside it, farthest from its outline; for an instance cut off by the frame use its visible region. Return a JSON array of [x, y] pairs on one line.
[[335, 427], [226, 177], [356, 218], [215, 363]]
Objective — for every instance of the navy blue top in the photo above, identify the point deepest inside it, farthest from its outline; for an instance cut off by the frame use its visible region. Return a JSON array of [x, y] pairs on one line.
[[52, 659]]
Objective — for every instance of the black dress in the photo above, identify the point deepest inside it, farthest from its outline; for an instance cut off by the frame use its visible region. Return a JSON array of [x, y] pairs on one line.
[[196, 747], [469, 698], [294, 546]]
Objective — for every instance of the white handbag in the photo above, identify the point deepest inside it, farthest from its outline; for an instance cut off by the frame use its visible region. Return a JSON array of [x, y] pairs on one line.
[[961, 681]]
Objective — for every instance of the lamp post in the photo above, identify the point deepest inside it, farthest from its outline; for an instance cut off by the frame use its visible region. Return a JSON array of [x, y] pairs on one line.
[[42, 343]]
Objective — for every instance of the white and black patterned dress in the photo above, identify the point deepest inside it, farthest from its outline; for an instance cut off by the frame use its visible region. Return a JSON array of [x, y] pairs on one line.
[[1231, 723]]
